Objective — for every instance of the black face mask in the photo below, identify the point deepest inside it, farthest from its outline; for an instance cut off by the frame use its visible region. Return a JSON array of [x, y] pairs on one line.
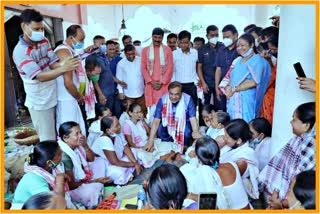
[[234, 146], [264, 45]]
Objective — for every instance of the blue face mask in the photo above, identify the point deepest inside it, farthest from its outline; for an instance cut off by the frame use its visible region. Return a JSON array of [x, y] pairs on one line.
[[103, 49], [255, 142], [36, 36], [78, 45], [247, 53]]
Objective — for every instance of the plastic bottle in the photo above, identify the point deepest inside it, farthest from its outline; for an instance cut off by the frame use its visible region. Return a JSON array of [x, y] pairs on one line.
[[141, 197]]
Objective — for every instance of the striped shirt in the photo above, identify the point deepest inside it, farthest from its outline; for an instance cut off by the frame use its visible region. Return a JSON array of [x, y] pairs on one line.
[[30, 61], [185, 66]]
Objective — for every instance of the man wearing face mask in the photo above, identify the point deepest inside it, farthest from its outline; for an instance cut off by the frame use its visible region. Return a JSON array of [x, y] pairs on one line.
[[256, 33], [207, 64], [38, 67], [113, 59], [100, 41], [225, 58], [73, 86]]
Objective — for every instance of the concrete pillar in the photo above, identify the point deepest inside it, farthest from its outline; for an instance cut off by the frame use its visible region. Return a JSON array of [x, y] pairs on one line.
[[296, 44]]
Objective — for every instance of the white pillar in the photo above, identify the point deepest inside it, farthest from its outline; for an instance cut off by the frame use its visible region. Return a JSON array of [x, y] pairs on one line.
[[296, 44]]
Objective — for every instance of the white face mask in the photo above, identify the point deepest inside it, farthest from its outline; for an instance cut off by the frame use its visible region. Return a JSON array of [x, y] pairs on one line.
[[227, 42], [273, 60], [112, 134], [256, 42], [213, 40], [103, 49], [36, 36], [247, 53]]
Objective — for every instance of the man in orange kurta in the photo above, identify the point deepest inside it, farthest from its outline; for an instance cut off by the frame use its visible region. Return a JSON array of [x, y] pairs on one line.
[[157, 69]]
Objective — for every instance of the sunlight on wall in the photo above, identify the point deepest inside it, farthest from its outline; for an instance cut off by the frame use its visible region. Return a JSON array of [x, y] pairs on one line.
[[140, 27], [105, 20], [95, 28], [220, 16], [194, 18]]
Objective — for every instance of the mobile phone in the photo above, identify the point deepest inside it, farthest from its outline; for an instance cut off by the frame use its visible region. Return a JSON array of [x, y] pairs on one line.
[[299, 70], [131, 207], [207, 201]]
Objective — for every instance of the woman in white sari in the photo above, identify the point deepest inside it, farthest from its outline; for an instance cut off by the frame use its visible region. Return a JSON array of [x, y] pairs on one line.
[[87, 173], [113, 148], [212, 176], [237, 136]]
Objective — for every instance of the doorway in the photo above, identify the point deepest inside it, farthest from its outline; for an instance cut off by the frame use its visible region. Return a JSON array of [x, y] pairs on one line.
[[16, 114]]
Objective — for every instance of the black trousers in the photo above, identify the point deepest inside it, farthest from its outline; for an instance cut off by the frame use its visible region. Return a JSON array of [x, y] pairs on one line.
[[219, 105], [190, 89]]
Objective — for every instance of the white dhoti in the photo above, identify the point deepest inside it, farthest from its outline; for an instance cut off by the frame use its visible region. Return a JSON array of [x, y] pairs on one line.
[[69, 110], [160, 148], [88, 194]]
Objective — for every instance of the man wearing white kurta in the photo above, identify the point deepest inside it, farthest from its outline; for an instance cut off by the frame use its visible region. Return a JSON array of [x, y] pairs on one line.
[[68, 85], [129, 71]]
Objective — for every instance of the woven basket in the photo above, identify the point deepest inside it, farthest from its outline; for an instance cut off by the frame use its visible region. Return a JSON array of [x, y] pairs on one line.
[[26, 137]]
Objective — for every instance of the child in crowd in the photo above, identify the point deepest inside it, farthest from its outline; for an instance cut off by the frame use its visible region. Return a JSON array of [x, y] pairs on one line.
[[124, 116], [136, 130], [94, 130], [206, 114], [215, 131], [261, 140]]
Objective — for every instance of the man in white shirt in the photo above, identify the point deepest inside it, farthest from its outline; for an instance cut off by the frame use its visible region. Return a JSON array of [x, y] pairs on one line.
[[127, 40], [185, 62], [129, 71]]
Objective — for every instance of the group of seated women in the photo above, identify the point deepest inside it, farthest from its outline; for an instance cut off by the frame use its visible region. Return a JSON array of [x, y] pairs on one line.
[[230, 159]]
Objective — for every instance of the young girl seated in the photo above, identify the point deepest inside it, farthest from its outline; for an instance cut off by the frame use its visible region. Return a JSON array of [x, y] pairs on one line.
[[261, 140], [136, 129], [136, 132], [216, 131], [113, 148], [206, 114], [124, 116], [94, 130]]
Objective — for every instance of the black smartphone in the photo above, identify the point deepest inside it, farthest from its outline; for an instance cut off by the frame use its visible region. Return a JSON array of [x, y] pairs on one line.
[[131, 206], [207, 201], [299, 70]]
